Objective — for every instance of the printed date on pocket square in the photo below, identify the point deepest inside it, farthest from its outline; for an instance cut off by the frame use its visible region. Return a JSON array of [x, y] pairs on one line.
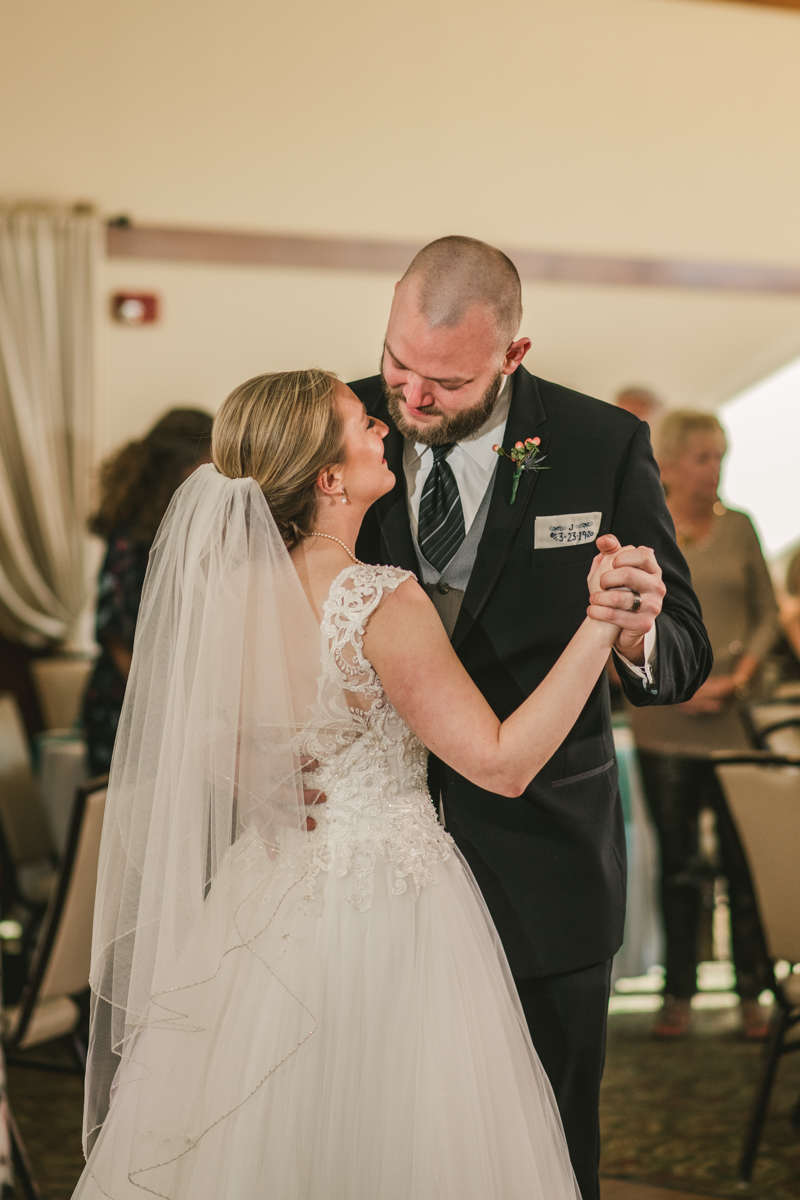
[[567, 529]]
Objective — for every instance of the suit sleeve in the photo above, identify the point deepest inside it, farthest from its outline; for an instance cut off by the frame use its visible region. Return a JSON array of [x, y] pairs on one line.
[[641, 518]]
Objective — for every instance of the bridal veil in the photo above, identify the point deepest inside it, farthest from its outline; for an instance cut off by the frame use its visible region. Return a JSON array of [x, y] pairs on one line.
[[225, 669]]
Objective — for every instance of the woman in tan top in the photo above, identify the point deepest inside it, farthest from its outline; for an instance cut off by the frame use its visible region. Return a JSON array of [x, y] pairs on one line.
[[733, 585]]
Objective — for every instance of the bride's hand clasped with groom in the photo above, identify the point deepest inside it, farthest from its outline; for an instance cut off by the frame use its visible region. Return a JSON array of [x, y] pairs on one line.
[[627, 569]]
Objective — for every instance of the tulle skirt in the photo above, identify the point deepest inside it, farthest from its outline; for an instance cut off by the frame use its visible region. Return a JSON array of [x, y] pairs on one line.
[[339, 1055]]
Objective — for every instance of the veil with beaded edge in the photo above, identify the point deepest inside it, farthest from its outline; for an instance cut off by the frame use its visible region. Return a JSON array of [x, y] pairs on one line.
[[225, 667]]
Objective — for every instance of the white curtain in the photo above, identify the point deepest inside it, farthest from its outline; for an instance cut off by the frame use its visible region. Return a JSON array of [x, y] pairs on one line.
[[48, 270]]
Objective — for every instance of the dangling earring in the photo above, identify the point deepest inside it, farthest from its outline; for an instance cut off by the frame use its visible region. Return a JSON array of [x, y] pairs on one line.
[[344, 496]]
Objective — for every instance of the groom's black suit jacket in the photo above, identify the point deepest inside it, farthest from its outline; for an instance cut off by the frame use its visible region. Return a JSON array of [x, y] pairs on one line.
[[551, 863]]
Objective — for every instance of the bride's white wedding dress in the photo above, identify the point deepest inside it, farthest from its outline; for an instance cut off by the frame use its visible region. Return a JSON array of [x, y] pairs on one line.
[[362, 1038]]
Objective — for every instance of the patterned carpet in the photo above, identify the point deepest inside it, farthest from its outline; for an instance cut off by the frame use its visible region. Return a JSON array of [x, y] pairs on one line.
[[622, 1189], [48, 1110], [673, 1115]]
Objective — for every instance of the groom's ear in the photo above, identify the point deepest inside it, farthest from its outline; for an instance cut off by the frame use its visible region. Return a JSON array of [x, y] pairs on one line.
[[515, 354]]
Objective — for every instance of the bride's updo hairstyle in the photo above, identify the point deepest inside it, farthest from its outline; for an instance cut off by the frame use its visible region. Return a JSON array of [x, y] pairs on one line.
[[282, 430]]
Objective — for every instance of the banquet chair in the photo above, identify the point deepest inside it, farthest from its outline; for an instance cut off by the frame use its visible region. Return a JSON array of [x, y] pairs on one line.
[[23, 1171], [772, 724], [60, 967], [63, 766], [782, 736], [789, 690], [763, 795], [24, 1179], [26, 849]]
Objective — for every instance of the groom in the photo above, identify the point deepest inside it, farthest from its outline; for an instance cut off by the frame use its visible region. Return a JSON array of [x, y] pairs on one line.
[[507, 574]]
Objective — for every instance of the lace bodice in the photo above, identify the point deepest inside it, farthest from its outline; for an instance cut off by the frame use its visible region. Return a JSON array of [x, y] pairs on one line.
[[372, 768]]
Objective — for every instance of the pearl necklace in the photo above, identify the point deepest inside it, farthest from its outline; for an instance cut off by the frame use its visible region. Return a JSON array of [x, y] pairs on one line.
[[357, 561]]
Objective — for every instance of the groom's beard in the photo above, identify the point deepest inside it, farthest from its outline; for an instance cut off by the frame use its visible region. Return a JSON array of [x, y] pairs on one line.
[[453, 427]]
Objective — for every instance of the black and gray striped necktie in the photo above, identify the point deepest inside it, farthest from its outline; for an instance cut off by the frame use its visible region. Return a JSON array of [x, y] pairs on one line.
[[441, 517]]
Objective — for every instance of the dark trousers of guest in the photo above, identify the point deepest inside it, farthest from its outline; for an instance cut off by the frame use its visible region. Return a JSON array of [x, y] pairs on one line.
[[677, 789], [566, 1015]]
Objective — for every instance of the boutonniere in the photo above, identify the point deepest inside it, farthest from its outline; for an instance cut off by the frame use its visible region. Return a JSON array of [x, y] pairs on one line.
[[526, 456]]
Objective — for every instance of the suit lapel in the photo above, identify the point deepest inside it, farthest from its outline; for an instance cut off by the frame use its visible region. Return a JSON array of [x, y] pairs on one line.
[[397, 543], [526, 415]]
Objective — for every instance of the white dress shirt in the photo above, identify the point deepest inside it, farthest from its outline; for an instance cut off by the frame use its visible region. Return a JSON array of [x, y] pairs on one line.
[[473, 463]]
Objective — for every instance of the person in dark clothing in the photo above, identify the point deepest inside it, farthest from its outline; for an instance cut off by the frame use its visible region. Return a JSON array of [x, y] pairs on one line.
[[136, 485], [503, 551]]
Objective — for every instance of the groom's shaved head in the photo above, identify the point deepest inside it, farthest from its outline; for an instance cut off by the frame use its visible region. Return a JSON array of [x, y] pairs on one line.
[[451, 337], [454, 274]]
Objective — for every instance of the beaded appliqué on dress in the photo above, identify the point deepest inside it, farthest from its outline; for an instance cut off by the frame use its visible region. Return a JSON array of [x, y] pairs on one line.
[[372, 768]]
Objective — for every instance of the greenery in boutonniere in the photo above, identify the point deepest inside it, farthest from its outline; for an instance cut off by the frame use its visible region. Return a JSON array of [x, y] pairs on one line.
[[526, 456]]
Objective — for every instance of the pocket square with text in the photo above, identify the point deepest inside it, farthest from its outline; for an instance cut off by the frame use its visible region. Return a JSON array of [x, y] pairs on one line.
[[568, 529]]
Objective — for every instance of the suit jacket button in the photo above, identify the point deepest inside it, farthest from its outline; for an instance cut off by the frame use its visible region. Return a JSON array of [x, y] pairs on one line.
[[443, 588]]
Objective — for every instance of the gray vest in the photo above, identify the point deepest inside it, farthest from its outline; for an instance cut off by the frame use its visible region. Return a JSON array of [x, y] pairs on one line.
[[446, 589]]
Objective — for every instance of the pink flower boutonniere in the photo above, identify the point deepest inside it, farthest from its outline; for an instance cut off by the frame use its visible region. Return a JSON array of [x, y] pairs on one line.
[[526, 456]]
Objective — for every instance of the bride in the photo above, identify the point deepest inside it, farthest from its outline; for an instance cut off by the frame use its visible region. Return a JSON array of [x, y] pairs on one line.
[[297, 1003]]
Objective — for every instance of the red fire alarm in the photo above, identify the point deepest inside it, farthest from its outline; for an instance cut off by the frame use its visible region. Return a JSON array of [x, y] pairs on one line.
[[134, 308]]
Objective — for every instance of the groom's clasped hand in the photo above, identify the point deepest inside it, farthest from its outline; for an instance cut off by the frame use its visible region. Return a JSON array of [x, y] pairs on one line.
[[627, 590]]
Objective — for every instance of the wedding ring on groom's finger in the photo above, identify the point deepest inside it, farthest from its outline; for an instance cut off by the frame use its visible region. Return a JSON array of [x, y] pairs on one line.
[[637, 601]]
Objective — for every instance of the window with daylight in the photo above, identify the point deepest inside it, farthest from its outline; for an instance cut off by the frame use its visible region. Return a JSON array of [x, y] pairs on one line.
[[762, 470]]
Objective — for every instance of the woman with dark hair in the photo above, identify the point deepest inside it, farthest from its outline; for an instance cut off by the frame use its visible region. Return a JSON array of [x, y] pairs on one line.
[[137, 483]]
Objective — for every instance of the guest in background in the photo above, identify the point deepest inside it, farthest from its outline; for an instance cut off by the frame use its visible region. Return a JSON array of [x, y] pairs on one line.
[[136, 486], [790, 606], [643, 403], [733, 585]]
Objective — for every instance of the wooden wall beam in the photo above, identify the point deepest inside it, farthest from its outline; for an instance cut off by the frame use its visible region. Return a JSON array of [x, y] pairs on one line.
[[284, 250], [795, 4]]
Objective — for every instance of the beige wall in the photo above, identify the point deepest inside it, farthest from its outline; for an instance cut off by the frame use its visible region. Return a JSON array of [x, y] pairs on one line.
[[653, 125], [222, 324], [638, 126]]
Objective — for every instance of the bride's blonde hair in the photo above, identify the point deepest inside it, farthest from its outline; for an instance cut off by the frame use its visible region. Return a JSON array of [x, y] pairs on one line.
[[281, 430]]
